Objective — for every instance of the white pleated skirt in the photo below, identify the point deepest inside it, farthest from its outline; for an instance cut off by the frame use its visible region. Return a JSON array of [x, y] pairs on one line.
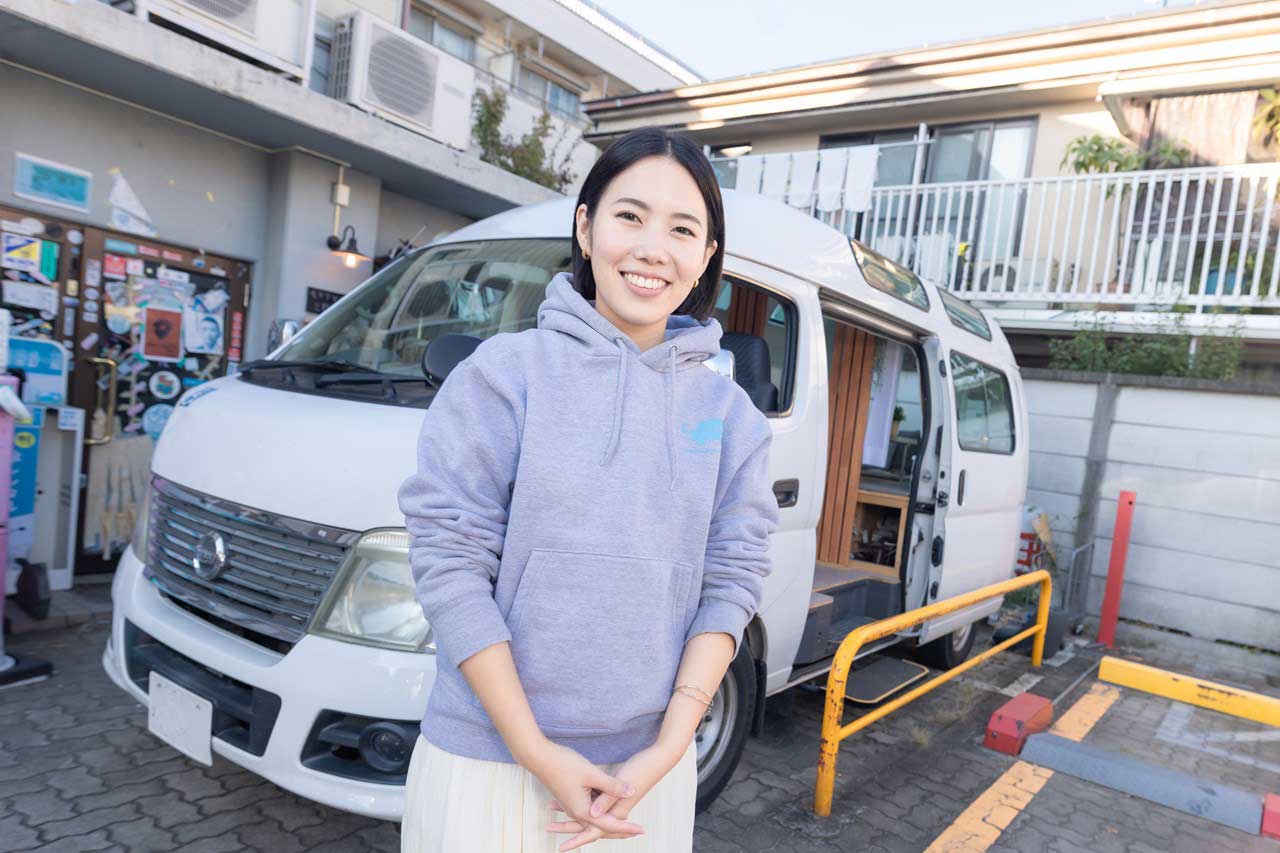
[[457, 804]]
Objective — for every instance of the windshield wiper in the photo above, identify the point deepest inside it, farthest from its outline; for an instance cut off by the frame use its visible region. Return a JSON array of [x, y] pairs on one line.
[[326, 364], [370, 377]]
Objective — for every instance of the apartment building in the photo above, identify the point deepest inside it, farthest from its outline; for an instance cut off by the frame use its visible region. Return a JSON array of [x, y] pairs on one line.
[[956, 160]]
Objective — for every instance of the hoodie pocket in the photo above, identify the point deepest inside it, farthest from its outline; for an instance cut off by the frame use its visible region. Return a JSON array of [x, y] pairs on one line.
[[597, 638]]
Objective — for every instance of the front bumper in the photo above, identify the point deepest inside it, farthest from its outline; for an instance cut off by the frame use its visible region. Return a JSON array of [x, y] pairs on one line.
[[317, 675]]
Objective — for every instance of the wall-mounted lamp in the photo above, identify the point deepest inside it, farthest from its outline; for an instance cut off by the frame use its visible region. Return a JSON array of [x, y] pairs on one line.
[[344, 246]]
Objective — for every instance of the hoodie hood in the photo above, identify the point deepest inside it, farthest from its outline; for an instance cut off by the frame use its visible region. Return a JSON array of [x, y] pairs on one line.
[[686, 342]]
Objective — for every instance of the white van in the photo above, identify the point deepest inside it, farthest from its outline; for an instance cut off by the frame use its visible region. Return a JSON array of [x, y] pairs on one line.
[[266, 602]]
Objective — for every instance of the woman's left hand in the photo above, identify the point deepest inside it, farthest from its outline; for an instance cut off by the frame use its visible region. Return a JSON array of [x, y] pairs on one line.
[[643, 770]]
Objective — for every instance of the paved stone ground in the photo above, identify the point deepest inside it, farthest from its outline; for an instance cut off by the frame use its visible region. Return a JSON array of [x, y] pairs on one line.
[[79, 771]]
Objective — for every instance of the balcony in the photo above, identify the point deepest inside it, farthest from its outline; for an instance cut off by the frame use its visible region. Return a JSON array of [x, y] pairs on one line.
[[1134, 241]]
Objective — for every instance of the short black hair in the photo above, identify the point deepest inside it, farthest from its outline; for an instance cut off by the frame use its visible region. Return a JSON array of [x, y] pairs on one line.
[[623, 153]]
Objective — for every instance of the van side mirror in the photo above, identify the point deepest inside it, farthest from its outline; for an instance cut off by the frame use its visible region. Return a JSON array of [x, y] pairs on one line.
[[444, 353], [722, 363]]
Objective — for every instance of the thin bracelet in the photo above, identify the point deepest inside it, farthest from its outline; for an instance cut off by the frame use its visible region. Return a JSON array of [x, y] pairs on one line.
[[694, 698], [699, 689]]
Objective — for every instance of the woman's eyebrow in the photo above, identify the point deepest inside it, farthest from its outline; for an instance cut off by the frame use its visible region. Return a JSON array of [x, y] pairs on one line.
[[638, 203]]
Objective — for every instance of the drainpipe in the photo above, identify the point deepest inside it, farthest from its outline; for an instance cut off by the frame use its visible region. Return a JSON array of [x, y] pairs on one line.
[[917, 173]]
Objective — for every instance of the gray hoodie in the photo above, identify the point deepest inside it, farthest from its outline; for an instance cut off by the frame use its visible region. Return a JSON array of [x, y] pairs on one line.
[[594, 505]]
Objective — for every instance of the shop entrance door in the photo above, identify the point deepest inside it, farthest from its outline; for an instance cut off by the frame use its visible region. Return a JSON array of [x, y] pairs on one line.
[[153, 320]]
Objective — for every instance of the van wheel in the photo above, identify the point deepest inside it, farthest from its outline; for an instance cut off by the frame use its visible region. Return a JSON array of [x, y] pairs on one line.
[[949, 651], [722, 734]]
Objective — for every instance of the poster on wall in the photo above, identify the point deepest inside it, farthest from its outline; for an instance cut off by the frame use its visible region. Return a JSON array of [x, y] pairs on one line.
[[161, 334], [202, 332]]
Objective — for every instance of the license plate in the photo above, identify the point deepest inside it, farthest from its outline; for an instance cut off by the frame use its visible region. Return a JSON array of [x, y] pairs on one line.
[[180, 718]]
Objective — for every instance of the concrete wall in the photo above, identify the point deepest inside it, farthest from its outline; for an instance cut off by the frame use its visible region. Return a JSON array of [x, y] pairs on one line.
[[1205, 464], [400, 217], [202, 190]]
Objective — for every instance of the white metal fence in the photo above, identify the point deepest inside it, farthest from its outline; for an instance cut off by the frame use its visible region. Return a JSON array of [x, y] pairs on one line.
[[1198, 236]]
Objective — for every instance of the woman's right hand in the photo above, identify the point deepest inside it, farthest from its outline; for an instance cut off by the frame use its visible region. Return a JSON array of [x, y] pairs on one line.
[[572, 780]]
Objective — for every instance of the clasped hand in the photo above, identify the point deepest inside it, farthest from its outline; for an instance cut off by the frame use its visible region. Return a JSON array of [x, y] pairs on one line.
[[596, 803]]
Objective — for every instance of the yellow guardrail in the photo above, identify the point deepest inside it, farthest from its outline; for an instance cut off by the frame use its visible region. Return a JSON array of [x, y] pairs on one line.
[[837, 678]]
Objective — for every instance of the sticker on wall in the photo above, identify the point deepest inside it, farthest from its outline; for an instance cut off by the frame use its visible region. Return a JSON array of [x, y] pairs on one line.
[[127, 213], [89, 340], [154, 419], [75, 236], [148, 251], [192, 381], [123, 247], [52, 183], [48, 259], [38, 297], [161, 334], [116, 292], [68, 322], [72, 288], [114, 266], [92, 272], [164, 384], [28, 226], [173, 275], [135, 266], [89, 292], [20, 252], [169, 255], [118, 320]]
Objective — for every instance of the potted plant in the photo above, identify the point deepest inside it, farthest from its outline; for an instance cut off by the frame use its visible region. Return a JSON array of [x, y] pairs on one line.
[[899, 415]]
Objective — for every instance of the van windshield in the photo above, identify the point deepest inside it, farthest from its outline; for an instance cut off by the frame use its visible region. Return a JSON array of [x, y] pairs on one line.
[[480, 289]]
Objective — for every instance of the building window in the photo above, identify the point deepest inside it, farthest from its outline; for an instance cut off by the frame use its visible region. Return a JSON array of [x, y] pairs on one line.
[[450, 40], [555, 96], [320, 55]]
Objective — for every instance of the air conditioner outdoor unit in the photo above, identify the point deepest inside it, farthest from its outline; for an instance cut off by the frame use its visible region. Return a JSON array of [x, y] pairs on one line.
[[275, 33], [385, 71]]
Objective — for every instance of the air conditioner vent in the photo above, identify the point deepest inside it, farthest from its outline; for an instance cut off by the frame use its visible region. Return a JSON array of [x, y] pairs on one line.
[[402, 77], [239, 13]]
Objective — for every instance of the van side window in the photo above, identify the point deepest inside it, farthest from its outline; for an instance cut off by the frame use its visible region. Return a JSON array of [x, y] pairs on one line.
[[984, 406], [894, 417], [760, 329]]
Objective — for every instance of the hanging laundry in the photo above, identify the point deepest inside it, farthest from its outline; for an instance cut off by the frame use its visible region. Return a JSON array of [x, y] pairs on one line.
[[777, 167], [749, 169], [831, 177], [860, 179], [804, 168]]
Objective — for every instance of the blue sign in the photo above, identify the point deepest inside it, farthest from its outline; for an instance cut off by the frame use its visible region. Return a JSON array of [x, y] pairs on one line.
[[120, 247], [45, 364], [22, 476], [52, 183]]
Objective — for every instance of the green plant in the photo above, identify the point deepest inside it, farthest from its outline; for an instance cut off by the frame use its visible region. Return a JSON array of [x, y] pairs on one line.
[[1098, 154], [527, 158], [899, 414], [1166, 351], [1267, 119]]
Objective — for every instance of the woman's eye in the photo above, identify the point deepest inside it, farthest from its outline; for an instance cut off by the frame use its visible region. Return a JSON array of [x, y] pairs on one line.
[[685, 230], [629, 213]]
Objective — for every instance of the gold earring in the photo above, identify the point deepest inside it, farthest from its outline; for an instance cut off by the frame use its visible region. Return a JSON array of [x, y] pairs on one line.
[[585, 256]]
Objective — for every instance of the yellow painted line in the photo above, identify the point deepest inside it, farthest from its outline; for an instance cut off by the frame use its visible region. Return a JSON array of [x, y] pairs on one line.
[[980, 825], [1193, 691]]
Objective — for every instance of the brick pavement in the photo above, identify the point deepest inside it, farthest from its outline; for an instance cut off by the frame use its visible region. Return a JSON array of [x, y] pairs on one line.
[[79, 771]]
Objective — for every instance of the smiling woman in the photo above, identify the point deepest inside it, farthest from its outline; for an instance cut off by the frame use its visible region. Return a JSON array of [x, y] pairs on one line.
[[590, 526]]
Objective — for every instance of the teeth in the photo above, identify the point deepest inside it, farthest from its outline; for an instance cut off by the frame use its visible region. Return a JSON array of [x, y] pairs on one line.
[[643, 281]]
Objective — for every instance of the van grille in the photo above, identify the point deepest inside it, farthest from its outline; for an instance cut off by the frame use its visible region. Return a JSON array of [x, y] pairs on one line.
[[276, 569]]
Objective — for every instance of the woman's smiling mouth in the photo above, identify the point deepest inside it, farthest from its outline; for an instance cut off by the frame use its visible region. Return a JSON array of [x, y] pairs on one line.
[[643, 285]]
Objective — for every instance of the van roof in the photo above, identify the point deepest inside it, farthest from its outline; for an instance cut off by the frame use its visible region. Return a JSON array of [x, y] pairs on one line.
[[771, 234]]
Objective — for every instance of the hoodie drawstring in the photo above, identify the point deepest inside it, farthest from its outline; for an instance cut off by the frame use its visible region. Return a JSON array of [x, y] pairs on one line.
[[671, 438], [619, 387], [615, 432]]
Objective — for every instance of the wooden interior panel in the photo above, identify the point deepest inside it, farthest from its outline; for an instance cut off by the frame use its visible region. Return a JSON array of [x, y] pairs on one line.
[[747, 311], [849, 393]]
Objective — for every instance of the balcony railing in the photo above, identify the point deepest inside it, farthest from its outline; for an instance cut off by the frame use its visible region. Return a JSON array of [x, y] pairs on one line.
[[1196, 237]]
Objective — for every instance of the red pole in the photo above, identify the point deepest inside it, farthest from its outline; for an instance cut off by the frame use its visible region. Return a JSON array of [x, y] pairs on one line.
[[1115, 571]]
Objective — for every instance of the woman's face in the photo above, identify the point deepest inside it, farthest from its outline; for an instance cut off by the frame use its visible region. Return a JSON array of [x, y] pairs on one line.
[[647, 244]]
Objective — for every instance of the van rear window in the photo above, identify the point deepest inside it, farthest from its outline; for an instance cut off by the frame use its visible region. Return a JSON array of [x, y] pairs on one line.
[[891, 277], [964, 315]]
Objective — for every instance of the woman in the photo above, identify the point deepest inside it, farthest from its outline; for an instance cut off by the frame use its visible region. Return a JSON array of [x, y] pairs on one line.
[[590, 521]]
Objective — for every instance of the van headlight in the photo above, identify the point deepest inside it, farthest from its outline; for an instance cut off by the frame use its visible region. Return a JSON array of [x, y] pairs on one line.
[[372, 600], [138, 541]]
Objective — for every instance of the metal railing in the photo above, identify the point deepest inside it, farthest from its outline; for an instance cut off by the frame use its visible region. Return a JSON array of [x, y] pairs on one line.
[[832, 730], [1199, 237]]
